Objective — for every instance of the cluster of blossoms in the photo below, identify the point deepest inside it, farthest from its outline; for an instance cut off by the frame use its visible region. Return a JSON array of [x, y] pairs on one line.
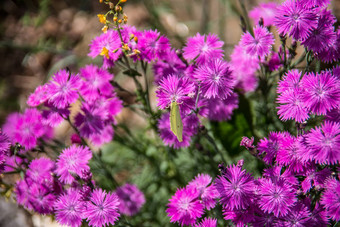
[[300, 184]]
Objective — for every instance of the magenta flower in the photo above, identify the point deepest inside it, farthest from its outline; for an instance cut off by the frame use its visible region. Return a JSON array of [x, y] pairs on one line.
[[331, 199], [240, 217], [54, 116], [298, 216], [332, 52], [215, 79], [96, 82], [333, 115], [321, 92], [102, 208], [68, 208], [323, 143], [203, 48], [276, 196], [221, 110], [294, 19], [207, 222], [4, 144], [73, 160], [269, 147], [41, 198], [40, 170], [104, 136], [207, 191], [314, 3], [185, 207], [152, 45], [131, 199], [236, 188], [38, 97], [315, 178], [266, 11], [63, 89], [108, 45], [291, 106], [175, 89], [291, 80], [260, 44]]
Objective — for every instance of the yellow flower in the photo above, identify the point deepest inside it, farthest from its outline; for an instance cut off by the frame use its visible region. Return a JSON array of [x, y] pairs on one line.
[[105, 52], [102, 18], [104, 29]]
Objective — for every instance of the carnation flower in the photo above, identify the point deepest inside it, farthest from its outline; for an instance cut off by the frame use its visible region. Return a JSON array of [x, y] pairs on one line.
[[291, 106], [221, 110], [4, 144], [38, 97], [331, 199], [321, 92], [331, 52], [315, 178], [208, 194], [185, 207], [291, 80], [41, 198], [102, 208], [298, 216], [175, 89], [73, 160], [104, 136], [215, 79], [240, 217], [40, 170], [203, 48], [276, 196], [108, 45], [236, 188], [152, 45], [260, 44], [266, 11], [131, 199], [63, 89], [333, 115], [68, 208], [294, 19], [54, 116], [324, 142], [314, 3], [96, 82]]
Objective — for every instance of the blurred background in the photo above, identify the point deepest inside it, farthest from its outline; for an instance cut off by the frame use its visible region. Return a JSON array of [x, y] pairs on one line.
[[37, 38]]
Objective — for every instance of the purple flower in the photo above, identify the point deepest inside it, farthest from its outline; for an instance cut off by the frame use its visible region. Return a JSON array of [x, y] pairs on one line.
[[40, 170], [323, 143], [41, 198], [266, 11], [313, 3], [294, 19], [331, 199], [108, 45], [104, 136], [333, 115], [54, 116], [315, 178], [269, 147], [298, 216], [102, 208], [276, 196], [203, 48], [207, 222], [4, 148], [291, 80], [96, 82], [73, 160], [279, 172], [331, 52], [168, 64], [236, 188], [215, 79], [185, 207], [131, 199], [323, 35], [208, 194], [175, 89], [190, 125], [68, 208], [38, 97], [321, 92], [260, 44], [240, 217], [221, 110], [63, 89], [152, 45], [291, 106]]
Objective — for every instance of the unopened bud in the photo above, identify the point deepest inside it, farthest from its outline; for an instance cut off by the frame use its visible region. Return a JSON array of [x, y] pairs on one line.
[[119, 21], [111, 5]]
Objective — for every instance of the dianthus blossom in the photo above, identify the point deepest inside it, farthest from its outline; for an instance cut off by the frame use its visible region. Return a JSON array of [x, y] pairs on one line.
[[298, 216], [266, 11], [331, 199], [215, 79], [63, 89], [235, 188], [260, 44], [38, 97], [185, 207], [222, 109], [291, 80], [293, 19], [207, 222], [102, 208], [131, 199], [152, 45], [73, 160], [203, 48], [323, 143]]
